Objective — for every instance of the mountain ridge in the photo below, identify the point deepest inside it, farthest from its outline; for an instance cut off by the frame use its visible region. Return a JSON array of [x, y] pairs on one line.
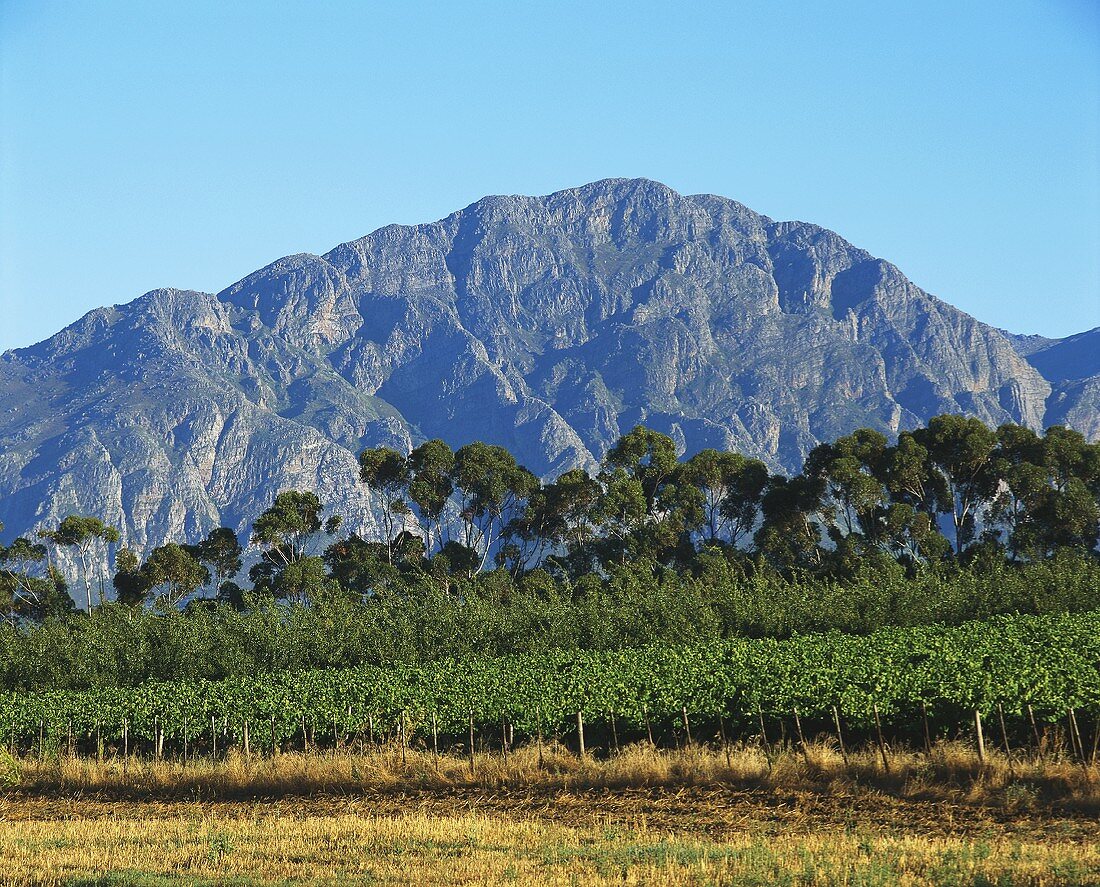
[[548, 324]]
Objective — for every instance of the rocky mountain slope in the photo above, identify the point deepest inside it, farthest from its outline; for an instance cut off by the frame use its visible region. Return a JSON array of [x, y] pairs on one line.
[[546, 324]]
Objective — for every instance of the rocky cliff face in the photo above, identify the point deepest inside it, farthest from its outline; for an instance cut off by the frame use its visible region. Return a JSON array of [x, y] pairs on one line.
[[546, 324]]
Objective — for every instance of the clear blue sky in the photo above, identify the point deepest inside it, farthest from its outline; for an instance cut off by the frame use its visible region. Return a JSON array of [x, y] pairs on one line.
[[148, 144]]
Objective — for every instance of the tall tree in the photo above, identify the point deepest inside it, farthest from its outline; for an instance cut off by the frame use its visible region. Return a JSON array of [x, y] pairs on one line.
[[387, 475], [85, 536], [173, 572], [288, 531], [732, 487], [492, 489], [430, 488], [960, 454]]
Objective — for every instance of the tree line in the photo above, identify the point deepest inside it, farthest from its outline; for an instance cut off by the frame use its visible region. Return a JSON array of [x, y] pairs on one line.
[[955, 493]]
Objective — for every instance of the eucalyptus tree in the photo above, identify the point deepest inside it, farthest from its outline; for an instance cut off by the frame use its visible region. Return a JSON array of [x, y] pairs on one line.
[[171, 574], [732, 487], [30, 588], [220, 552], [85, 536], [288, 531], [430, 487], [387, 474], [491, 490], [960, 454]]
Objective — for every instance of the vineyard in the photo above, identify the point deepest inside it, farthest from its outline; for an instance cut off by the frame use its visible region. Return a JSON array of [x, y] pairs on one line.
[[1023, 672]]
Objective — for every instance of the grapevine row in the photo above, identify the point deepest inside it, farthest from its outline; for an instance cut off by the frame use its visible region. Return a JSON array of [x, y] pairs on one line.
[[1047, 664]]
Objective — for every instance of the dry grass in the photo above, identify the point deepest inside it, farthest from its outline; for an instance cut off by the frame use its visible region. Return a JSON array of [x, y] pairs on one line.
[[951, 773], [475, 849], [641, 817]]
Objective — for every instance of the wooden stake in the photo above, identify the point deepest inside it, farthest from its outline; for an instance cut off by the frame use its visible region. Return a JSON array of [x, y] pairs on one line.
[[764, 738], [274, 745], [840, 736], [614, 732], [979, 735], [245, 737], [1035, 732], [472, 742], [538, 728], [125, 741], [881, 741], [801, 738], [648, 725], [1077, 736], [213, 740], [435, 741], [927, 732], [580, 733], [725, 741], [504, 736], [1004, 734], [687, 726], [404, 741]]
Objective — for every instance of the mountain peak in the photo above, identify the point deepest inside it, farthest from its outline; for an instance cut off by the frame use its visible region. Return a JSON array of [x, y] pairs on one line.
[[549, 325]]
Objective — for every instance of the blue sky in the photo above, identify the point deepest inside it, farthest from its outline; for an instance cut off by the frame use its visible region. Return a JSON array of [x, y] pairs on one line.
[[147, 144]]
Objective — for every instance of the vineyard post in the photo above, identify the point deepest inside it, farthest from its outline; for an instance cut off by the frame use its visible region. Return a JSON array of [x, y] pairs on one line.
[[614, 732], [335, 733], [158, 734], [435, 740], [504, 736], [41, 736], [404, 739], [70, 737], [764, 738], [125, 742], [687, 726], [185, 732], [580, 734], [305, 734], [1095, 741], [274, 741], [725, 740], [881, 741], [927, 732], [1035, 732], [1080, 746], [801, 738], [840, 735], [472, 767], [98, 744], [245, 737], [538, 731], [979, 735], [213, 740], [1004, 735], [648, 725]]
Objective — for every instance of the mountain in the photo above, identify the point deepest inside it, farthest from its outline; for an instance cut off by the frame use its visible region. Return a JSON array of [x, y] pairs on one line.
[[547, 324], [1072, 366]]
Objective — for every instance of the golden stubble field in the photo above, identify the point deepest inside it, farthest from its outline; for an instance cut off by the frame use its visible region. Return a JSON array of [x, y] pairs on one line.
[[691, 817]]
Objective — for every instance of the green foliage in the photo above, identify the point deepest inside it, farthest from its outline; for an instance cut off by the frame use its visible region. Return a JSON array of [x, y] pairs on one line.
[[1050, 663]]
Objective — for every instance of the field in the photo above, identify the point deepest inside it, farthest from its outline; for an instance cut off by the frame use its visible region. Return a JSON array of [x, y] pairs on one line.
[[643, 816]]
